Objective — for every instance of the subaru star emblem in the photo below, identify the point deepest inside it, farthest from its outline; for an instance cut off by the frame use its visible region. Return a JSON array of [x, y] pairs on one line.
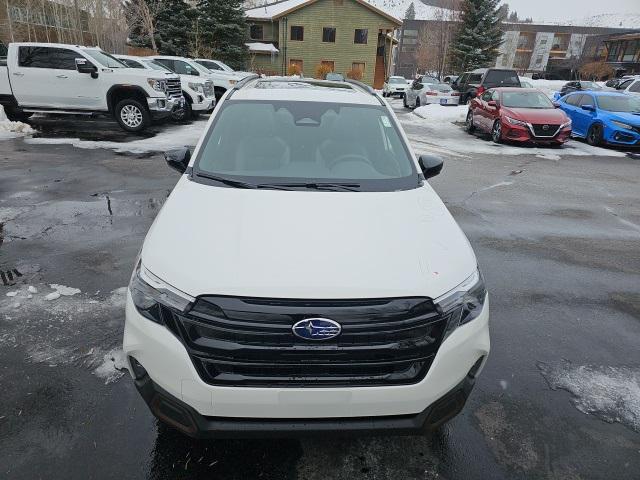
[[316, 329]]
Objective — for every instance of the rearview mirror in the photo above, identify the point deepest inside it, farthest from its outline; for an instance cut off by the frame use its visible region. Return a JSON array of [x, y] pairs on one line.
[[430, 165], [84, 66], [178, 159], [589, 108]]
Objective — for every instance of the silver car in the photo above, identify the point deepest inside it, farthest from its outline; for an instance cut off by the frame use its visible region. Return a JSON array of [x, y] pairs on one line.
[[427, 93]]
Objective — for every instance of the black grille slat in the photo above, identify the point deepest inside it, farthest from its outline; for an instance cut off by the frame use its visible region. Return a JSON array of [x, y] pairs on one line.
[[249, 341], [539, 130]]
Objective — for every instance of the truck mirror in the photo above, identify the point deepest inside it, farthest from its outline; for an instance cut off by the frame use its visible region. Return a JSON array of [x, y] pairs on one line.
[[84, 66]]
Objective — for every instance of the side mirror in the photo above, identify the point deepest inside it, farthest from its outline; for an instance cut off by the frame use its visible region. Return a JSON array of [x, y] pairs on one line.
[[84, 66], [178, 159], [589, 108], [430, 165], [556, 104], [492, 103]]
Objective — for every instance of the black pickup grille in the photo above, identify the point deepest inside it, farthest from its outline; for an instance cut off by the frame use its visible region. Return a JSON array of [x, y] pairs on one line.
[[539, 130], [174, 89], [249, 341]]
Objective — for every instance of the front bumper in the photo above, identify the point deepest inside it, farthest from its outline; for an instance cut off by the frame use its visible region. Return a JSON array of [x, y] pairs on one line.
[[202, 104], [519, 133], [622, 137], [170, 368], [162, 107]]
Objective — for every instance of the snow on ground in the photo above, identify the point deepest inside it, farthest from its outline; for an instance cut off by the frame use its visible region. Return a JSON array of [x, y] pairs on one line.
[[610, 393], [439, 129], [9, 129], [112, 367], [173, 137]]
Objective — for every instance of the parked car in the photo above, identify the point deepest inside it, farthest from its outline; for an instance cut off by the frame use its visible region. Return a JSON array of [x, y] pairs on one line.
[[578, 85], [395, 85], [251, 331], [197, 91], [524, 115], [427, 79], [450, 79], [604, 117], [471, 84], [630, 86], [68, 79], [615, 82], [427, 93], [222, 81], [218, 66]]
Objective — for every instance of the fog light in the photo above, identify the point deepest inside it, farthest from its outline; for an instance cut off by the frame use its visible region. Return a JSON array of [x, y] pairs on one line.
[[138, 370], [161, 103]]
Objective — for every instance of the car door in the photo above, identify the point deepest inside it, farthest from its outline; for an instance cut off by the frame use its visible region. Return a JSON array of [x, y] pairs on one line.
[[414, 91], [569, 106], [481, 115], [584, 118], [32, 77]]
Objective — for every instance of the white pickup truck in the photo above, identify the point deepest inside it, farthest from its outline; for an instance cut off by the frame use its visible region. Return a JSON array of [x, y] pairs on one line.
[[69, 79], [222, 81]]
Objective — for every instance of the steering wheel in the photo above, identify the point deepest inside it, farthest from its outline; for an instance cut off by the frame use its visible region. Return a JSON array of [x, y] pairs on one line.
[[348, 157]]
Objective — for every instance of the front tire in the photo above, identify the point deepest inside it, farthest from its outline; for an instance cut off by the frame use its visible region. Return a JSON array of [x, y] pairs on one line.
[[594, 135], [182, 115], [417, 104], [468, 124], [496, 132], [404, 102], [132, 116]]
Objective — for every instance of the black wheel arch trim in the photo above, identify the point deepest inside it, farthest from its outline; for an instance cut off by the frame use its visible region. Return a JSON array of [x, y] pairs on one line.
[[132, 88]]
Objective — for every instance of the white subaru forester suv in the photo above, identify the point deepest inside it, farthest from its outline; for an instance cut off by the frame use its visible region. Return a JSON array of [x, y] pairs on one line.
[[303, 277]]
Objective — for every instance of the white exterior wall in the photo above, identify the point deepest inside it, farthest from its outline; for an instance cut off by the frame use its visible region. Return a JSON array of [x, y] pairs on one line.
[[576, 44], [508, 49], [540, 55]]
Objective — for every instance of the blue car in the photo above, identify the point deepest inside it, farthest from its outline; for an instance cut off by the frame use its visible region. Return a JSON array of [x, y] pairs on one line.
[[603, 117]]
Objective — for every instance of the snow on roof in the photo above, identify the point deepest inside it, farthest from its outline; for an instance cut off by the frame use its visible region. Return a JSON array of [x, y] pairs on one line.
[[262, 47], [272, 9]]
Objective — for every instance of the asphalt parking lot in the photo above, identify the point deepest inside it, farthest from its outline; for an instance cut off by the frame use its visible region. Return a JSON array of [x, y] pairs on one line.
[[557, 240]]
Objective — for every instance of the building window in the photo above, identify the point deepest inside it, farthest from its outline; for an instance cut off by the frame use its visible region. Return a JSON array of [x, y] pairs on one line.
[[358, 66], [297, 33], [328, 63], [361, 35], [329, 34], [410, 33], [256, 32]]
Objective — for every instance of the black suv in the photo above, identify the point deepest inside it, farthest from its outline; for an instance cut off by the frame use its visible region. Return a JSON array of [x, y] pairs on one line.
[[471, 84], [577, 86]]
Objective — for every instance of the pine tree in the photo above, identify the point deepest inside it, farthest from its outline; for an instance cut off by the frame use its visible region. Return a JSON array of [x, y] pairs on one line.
[[174, 24], [222, 28], [478, 37], [410, 14]]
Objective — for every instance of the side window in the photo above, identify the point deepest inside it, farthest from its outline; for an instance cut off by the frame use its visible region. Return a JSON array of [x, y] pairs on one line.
[[47, 57], [486, 96], [463, 79], [635, 87], [213, 66], [624, 84], [475, 78], [166, 63], [586, 100], [131, 63], [495, 96], [184, 68], [573, 99]]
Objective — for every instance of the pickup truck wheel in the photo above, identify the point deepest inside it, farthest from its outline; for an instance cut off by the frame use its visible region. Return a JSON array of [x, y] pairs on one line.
[[132, 116]]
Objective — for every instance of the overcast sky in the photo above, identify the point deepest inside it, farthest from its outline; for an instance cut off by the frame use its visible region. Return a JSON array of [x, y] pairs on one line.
[[558, 10]]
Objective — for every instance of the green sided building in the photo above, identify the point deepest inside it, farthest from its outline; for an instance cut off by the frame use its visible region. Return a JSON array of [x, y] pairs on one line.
[[344, 36]]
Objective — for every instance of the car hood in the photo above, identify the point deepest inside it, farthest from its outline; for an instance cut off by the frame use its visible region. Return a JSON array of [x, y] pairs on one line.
[[271, 243], [537, 115], [626, 117]]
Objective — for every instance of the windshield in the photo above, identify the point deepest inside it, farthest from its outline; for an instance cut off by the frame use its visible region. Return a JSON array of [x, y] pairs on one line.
[[622, 103], [155, 66], [224, 66], [590, 86], [526, 100], [104, 59], [307, 143], [397, 80]]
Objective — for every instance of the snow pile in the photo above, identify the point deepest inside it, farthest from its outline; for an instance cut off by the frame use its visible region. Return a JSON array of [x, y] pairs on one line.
[[112, 367], [9, 129], [610, 393], [549, 87], [438, 113], [611, 20], [174, 136]]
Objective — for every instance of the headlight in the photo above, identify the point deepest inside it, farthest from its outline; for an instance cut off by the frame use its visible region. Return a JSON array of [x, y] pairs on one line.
[[159, 85], [622, 125], [197, 87], [149, 293], [463, 303], [513, 121], [565, 125]]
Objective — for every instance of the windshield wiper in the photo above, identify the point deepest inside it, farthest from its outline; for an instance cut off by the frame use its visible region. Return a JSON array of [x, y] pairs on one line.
[[351, 187], [225, 181]]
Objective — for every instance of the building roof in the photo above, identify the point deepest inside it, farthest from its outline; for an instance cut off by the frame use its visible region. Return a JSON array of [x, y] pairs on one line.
[[279, 9]]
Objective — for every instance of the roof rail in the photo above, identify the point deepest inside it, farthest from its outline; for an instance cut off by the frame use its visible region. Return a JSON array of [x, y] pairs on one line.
[[244, 81], [366, 88]]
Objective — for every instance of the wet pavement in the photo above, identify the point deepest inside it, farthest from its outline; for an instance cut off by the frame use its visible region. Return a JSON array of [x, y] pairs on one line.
[[557, 240]]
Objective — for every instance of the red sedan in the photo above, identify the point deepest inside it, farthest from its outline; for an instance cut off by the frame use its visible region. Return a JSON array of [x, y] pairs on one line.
[[518, 115]]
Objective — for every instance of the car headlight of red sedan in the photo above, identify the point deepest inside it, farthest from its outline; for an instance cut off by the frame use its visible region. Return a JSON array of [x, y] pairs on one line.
[[513, 121]]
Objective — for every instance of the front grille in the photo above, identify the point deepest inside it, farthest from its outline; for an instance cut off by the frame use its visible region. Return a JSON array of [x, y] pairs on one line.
[[243, 341], [174, 88], [208, 89], [539, 129]]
